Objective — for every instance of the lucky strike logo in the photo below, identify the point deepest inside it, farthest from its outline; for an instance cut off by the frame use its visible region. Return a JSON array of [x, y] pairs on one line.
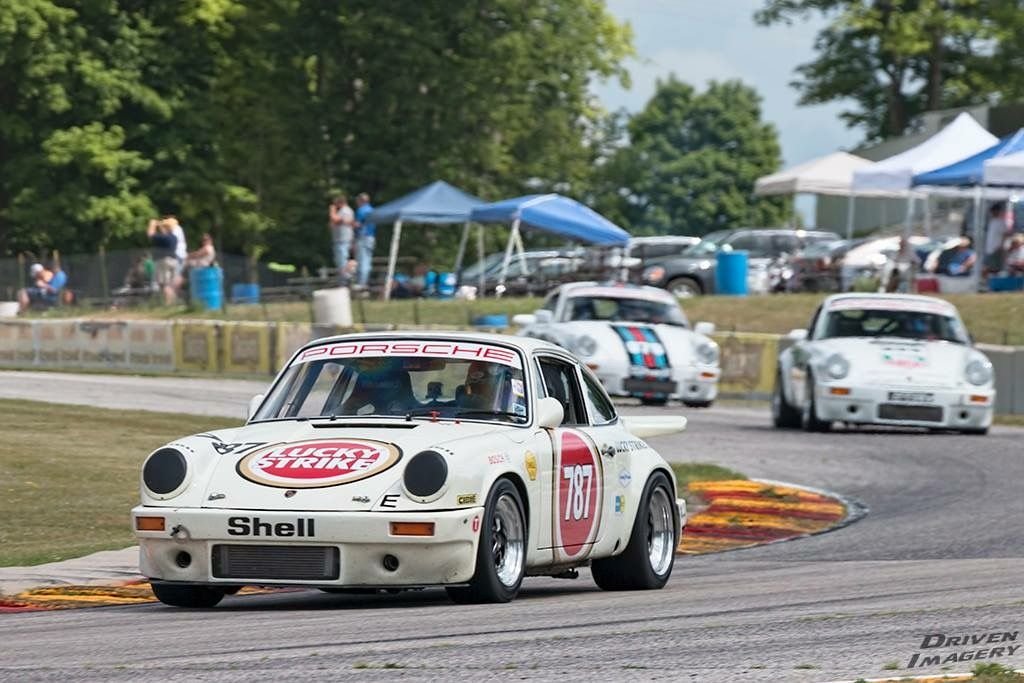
[[315, 464]]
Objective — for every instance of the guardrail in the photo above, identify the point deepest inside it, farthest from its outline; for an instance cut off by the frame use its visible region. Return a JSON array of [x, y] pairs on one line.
[[249, 349]]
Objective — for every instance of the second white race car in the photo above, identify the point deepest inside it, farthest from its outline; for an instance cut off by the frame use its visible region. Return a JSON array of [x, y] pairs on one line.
[[884, 359], [637, 341]]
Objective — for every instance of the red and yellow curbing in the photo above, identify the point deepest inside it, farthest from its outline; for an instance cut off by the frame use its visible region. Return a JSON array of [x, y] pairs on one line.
[[744, 513], [738, 514]]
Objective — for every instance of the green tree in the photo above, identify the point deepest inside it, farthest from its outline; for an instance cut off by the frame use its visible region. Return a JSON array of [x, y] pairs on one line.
[[895, 59], [693, 159]]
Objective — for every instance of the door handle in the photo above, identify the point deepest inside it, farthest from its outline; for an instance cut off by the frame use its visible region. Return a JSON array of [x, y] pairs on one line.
[[608, 451]]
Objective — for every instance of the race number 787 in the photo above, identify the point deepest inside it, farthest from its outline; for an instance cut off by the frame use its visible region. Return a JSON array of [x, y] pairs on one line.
[[577, 501]]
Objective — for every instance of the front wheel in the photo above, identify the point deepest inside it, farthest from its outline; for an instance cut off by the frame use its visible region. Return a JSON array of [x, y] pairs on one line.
[[809, 417], [980, 431], [647, 561], [501, 552], [684, 287], [697, 404], [177, 595], [784, 416], [646, 401]]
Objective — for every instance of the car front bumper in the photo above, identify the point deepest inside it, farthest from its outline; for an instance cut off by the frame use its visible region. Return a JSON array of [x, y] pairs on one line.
[[340, 549], [896, 405], [697, 384]]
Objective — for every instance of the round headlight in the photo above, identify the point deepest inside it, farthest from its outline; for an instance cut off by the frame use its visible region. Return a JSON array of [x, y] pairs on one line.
[[425, 476], [978, 372], [584, 346], [654, 274], [707, 353], [164, 473], [837, 367]]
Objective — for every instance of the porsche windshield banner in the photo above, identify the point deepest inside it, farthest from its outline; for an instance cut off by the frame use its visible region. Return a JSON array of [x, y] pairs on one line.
[[423, 349]]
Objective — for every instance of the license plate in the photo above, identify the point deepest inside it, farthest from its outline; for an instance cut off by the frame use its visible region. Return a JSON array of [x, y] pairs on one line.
[[912, 396]]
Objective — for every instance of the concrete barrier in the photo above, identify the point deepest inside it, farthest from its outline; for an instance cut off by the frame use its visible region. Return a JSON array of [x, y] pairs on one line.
[[17, 342], [245, 348], [151, 345], [748, 364], [196, 346], [1008, 367]]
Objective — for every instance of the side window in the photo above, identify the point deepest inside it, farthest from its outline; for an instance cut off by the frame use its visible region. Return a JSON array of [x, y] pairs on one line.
[[756, 244], [785, 244], [551, 301], [560, 383], [601, 409]]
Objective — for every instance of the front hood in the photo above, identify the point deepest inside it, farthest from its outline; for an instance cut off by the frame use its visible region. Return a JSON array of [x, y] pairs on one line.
[[631, 342], [322, 465], [893, 361]]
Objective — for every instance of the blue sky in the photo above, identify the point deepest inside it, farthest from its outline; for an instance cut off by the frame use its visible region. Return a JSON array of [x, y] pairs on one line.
[[701, 40]]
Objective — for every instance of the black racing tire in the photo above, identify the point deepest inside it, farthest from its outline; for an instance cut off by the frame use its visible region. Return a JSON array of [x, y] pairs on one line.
[[683, 287], [784, 416], [697, 404], [184, 595], [653, 401], [979, 431], [809, 416], [647, 561], [501, 552]]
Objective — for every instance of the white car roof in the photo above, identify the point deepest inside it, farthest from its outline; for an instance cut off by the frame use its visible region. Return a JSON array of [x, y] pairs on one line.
[[890, 302], [623, 291]]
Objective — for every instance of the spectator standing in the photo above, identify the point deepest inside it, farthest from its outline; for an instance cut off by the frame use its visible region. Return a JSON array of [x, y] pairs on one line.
[[996, 232], [166, 270], [180, 247], [367, 239], [342, 225]]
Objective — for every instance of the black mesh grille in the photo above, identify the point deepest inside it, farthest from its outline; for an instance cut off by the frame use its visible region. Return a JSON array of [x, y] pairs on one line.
[[895, 411], [274, 562]]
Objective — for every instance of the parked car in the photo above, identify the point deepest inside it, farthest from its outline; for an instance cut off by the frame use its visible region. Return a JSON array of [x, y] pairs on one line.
[[817, 267], [542, 269], [886, 359], [637, 341], [875, 259], [693, 272], [400, 461]]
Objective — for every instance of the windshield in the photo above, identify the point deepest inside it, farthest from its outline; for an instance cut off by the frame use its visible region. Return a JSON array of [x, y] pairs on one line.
[[484, 266], [907, 324], [425, 379], [708, 245], [624, 309]]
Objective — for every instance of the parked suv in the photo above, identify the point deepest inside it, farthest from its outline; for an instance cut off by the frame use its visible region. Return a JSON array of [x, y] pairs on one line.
[[693, 272]]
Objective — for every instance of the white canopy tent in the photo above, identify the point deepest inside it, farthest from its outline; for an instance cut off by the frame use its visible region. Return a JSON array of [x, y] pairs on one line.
[[963, 137], [1005, 170], [831, 174]]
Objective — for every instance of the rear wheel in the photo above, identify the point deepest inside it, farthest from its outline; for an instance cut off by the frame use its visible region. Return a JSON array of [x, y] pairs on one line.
[[647, 561], [186, 596], [501, 552], [684, 287], [784, 416], [809, 418]]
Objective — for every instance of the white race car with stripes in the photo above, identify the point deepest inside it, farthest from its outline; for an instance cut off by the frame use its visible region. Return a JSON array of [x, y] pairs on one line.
[[884, 359], [398, 461], [637, 341]]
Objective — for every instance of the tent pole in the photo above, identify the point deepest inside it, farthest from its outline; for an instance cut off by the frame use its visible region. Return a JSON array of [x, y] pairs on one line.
[[979, 234], [508, 254], [850, 208], [521, 251], [461, 253], [928, 215], [480, 254], [396, 237]]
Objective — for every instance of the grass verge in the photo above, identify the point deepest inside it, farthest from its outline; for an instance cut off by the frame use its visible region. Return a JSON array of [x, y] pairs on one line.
[[69, 475]]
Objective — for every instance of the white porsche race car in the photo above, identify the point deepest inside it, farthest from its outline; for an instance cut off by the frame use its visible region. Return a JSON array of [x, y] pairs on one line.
[[884, 359], [401, 461], [636, 340]]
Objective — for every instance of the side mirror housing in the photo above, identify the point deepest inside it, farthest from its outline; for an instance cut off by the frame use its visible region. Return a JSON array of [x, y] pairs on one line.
[[524, 319], [549, 413], [797, 335], [254, 404], [543, 316], [705, 328]]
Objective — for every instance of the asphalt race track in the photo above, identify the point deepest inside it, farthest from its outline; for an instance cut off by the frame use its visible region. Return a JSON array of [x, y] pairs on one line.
[[939, 553]]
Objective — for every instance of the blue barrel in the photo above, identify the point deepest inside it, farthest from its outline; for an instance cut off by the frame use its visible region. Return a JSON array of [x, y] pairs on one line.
[[492, 320], [731, 273], [446, 285], [245, 293], [206, 287]]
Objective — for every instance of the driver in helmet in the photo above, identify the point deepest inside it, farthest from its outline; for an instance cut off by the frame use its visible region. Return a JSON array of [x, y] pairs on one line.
[[484, 382]]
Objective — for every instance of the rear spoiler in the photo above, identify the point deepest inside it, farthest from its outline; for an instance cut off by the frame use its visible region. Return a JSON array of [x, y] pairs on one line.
[[644, 426]]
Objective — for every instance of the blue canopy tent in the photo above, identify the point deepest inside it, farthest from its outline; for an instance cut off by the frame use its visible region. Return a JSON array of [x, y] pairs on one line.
[[971, 171], [552, 213], [435, 203]]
